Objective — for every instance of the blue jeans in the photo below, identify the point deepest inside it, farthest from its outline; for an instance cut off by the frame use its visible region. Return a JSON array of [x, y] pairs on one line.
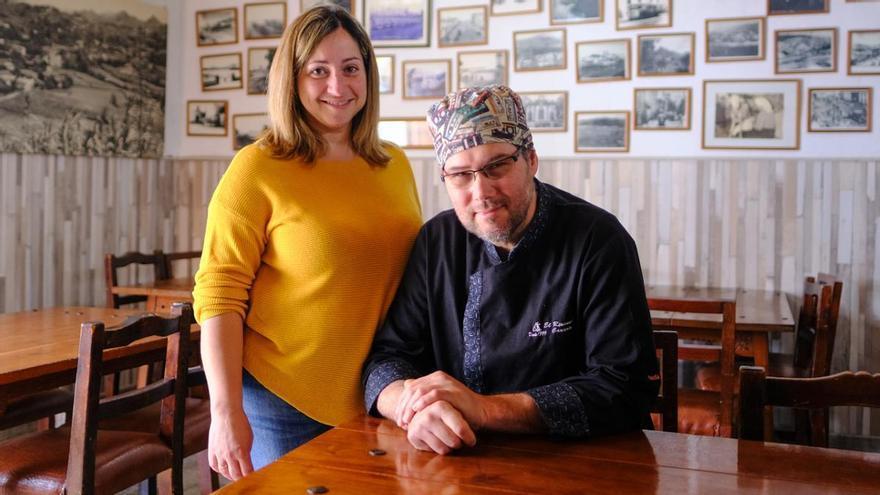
[[278, 427]]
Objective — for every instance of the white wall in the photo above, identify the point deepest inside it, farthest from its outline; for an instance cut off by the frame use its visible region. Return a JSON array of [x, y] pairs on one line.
[[688, 16]]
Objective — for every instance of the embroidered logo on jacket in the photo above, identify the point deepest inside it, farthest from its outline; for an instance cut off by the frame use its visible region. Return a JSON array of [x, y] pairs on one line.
[[540, 329]]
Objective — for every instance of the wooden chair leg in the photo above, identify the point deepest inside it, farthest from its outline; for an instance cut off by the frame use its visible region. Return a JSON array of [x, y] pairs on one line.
[[148, 486], [208, 479]]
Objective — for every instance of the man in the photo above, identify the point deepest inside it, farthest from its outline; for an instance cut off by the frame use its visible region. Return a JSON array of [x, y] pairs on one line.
[[522, 311]]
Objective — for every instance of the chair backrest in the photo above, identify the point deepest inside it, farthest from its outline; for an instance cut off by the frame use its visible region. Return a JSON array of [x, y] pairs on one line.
[[817, 325], [723, 353], [89, 408], [666, 344], [111, 277], [842, 389]]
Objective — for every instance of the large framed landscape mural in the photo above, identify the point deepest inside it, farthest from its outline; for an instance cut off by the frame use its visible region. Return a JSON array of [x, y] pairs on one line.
[[82, 77]]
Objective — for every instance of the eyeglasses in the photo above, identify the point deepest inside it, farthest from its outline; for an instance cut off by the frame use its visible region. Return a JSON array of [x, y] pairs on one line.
[[493, 170]]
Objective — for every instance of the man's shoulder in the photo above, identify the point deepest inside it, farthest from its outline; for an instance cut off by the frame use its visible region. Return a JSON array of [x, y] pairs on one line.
[[576, 209]]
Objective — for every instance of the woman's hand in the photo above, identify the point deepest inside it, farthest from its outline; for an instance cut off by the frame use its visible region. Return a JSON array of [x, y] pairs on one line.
[[229, 444]]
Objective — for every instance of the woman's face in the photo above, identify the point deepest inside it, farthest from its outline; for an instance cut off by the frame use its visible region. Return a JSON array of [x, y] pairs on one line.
[[333, 84]]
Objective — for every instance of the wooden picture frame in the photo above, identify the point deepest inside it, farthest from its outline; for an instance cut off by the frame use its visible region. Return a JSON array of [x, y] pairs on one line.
[[508, 7], [732, 51], [646, 17], [221, 71], [249, 122], [792, 39], [546, 111], [856, 119], [872, 46], [207, 118], [650, 65], [268, 18], [455, 29], [482, 68], [600, 61], [662, 111], [217, 27], [259, 60], [576, 12], [385, 23], [420, 79], [385, 64], [804, 9], [609, 135], [530, 48], [410, 133], [754, 114]]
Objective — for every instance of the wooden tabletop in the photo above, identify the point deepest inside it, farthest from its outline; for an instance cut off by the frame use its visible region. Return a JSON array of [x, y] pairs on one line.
[[637, 463], [174, 287], [756, 310]]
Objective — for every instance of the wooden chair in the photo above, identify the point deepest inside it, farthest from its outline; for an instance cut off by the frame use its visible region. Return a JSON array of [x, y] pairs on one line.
[[83, 459], [665, 409], [173, 258], [842, 389], [702, 412], [113, 263]]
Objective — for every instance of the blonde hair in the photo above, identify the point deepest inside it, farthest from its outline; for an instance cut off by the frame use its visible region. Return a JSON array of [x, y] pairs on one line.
[[289, 134]]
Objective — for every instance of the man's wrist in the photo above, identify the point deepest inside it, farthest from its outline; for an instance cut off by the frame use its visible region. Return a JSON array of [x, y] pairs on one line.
[[386, 403]]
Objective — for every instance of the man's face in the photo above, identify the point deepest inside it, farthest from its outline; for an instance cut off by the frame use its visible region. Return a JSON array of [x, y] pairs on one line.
[[498, 209]]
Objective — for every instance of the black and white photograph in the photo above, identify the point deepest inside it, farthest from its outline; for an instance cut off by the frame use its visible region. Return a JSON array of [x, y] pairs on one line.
[[542, 49], [426, 79], [482, 68], [222, 71], [662, 109], [407, 132], [546, 111], [206, 117], [864, 52], [514, 7], [806, 50], [64, 91], [462, 26], [259, 62], [398, 23], [601, 132], [385, 63], [348, 5], [735, 39], [788, 7], [576, 11], [607, 60], [751, 114], [217, 27], [247, 127], [839, 110], [264, 20], [666, 54], [643, 14]]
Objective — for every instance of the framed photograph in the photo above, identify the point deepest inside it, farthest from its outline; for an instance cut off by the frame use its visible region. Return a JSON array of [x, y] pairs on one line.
[[247, 127], [406, 132], [221, 71], [482, 68], [666, 54], [217, 27], [462, 26], [839, 110], [546, 111], [752, 114], [259, 62], [515, 7], [398, 23], [206, 117], [787, 7], [386, 74], [641, 15], [806, 50], [348, 5], [662, 109], [264, 20], [426, 79], [864, 53], [541, 49], [607, 60], [576, 11], [601, 132], [735, 39]]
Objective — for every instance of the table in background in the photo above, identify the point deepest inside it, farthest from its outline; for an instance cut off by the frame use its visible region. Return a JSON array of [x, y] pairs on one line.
[[639, 463], [160, 293]]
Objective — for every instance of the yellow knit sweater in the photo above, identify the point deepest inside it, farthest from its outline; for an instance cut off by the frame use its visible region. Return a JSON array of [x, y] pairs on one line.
[[310, 256]]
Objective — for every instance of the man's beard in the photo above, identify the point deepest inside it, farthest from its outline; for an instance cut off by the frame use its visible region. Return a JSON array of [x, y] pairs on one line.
[[507, 234]]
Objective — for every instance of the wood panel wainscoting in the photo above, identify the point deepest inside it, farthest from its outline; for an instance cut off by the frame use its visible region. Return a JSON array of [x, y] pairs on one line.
[[749, 224]]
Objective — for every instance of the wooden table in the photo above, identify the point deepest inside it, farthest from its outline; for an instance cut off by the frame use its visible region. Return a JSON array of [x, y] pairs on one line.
[[758, 313], [38, 349], [160, 293], [638, 463]]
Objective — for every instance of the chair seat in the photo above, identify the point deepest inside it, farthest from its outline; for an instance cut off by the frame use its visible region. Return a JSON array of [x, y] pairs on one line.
[[196, 423], [37, 462], [699, 412], [35, 407]]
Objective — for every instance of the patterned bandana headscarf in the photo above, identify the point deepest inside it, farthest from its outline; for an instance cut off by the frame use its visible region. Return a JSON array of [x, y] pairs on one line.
[[475, 116]]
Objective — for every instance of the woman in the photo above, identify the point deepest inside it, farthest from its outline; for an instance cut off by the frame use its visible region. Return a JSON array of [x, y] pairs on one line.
[[307, 235]]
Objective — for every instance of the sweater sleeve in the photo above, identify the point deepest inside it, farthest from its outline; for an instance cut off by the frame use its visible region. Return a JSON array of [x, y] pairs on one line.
[[235, 238]]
